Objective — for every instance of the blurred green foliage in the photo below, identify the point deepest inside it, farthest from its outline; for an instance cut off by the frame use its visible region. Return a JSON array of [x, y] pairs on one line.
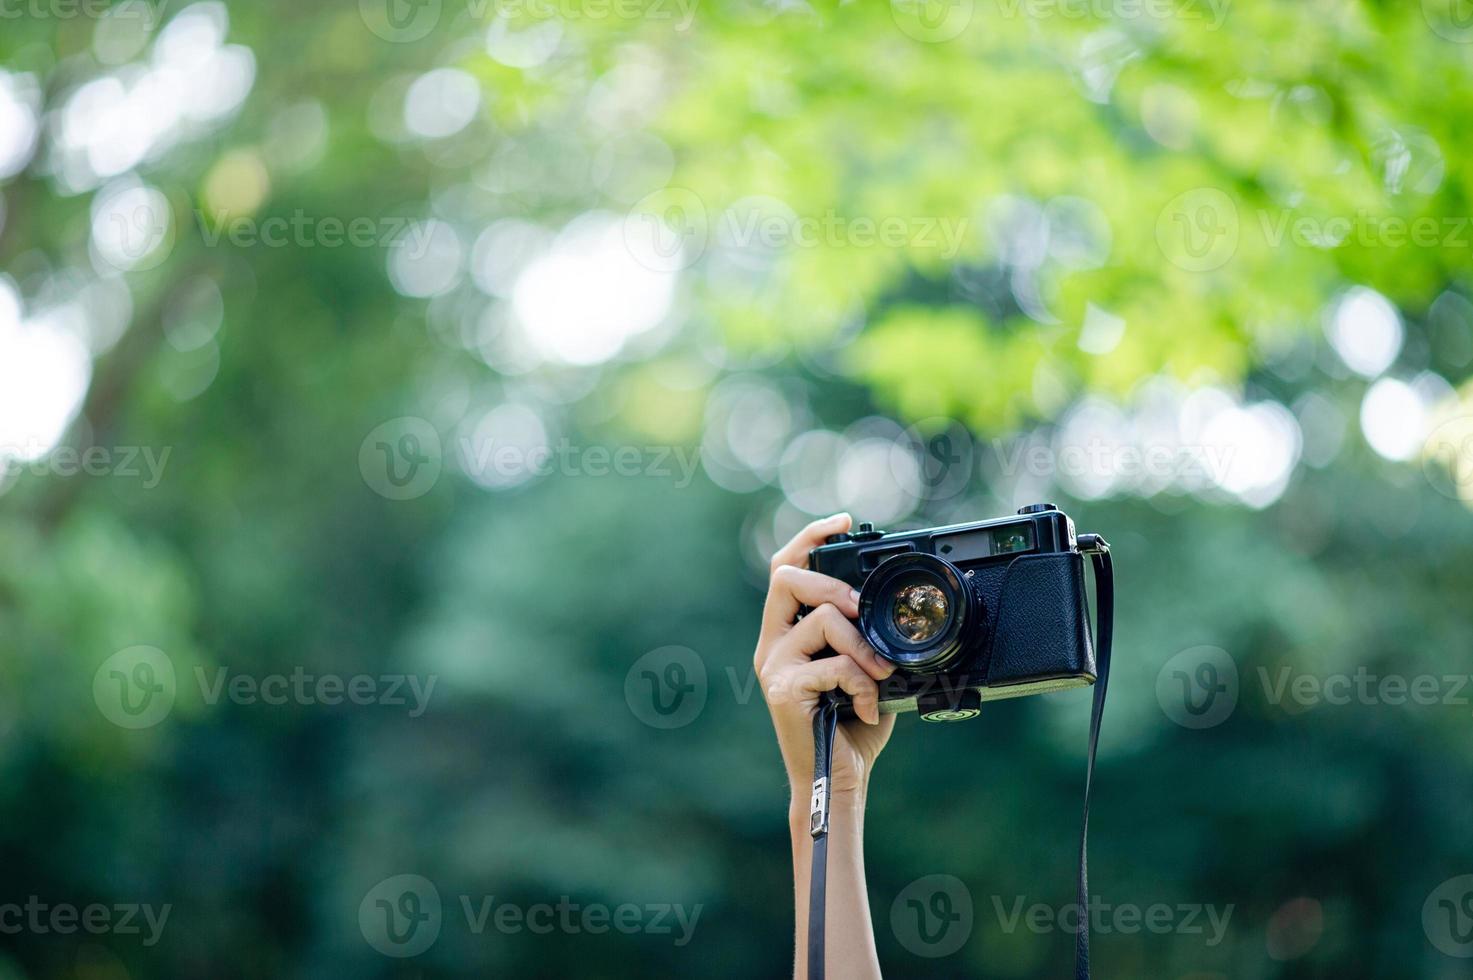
[[265, 548]]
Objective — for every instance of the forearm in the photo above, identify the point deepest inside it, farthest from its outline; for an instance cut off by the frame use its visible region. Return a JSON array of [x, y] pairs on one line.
[[849, 942]]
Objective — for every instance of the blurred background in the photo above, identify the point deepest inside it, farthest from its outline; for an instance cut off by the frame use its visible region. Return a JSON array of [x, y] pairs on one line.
[[400, 400]]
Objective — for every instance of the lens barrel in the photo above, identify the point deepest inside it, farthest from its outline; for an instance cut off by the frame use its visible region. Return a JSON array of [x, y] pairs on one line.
[[918, 612]]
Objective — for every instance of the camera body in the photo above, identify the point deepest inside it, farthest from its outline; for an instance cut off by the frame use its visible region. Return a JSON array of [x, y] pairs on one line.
[[969, 612]]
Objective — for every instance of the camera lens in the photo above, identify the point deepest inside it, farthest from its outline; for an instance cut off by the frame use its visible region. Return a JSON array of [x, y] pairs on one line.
[[918, 612]]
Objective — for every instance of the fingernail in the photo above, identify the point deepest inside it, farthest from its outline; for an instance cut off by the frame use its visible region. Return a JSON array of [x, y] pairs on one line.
[[835, 518], [854, 596]]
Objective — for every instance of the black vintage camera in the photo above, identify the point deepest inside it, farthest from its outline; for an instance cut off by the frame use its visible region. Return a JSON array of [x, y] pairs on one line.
[[970, 612]]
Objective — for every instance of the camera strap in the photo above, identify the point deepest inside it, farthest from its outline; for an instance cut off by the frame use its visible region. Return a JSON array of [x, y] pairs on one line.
[[825, 726]]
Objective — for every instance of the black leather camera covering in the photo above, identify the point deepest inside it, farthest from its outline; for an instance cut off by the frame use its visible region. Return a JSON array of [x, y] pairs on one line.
[[1040, 625]]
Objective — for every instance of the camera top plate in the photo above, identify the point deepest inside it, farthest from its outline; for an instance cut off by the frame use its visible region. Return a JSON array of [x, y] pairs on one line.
[[1035, 529]]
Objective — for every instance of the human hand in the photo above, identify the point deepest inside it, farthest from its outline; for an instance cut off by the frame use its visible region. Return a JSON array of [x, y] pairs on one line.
[[792, 678]]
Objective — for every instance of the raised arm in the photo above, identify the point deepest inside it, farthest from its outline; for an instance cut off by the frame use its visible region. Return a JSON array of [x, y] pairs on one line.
[[794, 668]]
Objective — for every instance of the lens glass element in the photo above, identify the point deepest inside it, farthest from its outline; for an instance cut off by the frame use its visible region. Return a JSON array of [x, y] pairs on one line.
[[920, 611]]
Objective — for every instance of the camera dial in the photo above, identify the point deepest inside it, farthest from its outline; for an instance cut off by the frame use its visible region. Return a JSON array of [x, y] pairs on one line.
[[958, 706]]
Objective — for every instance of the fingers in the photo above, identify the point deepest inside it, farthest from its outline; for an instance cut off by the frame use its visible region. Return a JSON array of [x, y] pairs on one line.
[[795, 552], [826, 628], [784, 655], [793, 587], [808, 680]]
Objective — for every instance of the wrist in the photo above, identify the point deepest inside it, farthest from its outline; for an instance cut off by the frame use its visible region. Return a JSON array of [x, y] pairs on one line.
[[842, 802], [845, 783]]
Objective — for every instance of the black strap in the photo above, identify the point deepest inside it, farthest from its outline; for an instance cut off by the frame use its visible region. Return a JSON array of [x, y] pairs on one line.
[[1099, 553], [825, 723]]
